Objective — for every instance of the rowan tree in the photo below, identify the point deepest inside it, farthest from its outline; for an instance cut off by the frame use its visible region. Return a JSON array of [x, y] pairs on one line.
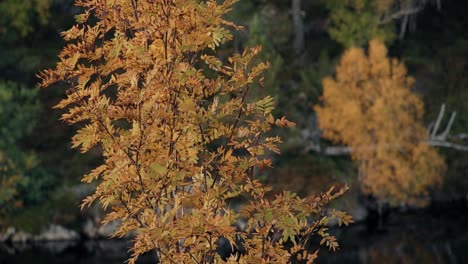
[[370, 107], [180, 138]]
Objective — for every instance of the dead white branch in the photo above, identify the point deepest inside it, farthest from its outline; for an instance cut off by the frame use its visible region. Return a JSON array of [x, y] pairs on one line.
[[444, 135], [403, 13], [435, 139], [445, 144], [329, 150], [438, 121]]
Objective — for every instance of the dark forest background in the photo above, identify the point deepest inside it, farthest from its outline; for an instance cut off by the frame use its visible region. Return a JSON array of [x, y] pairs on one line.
[[40, 174]]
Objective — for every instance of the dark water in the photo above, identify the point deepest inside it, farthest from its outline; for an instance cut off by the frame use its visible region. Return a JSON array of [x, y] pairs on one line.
[[430, 236], [87, 252]]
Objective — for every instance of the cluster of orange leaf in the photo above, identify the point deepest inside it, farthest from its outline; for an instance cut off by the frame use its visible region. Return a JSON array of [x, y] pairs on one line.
[[369, 106], [180, 137]]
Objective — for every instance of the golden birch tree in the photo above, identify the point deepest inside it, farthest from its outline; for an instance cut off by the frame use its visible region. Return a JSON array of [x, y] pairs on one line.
[[370, 107], [180, 137]]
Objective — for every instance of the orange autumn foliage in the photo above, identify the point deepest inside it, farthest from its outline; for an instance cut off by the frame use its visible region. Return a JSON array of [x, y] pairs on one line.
[[179, 134], [370, 107]]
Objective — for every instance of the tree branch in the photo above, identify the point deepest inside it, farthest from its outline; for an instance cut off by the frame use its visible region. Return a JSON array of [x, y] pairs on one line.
[[438, 121], [435, 140], [400, 14]]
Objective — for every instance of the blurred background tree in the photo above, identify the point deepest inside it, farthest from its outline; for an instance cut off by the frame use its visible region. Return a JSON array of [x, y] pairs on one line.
[[36, 163], [21, 16], [369, 106], [353, 23], [23, 181]]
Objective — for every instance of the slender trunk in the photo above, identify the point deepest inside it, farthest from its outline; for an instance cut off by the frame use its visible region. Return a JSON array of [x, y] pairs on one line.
[[439, 5], [380, 213], [403, 26], [298, 27]]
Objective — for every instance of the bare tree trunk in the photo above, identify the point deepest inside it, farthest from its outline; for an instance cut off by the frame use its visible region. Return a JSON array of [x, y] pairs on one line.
[[298, 27], [413, 23], [439, 5], [403, 27]]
